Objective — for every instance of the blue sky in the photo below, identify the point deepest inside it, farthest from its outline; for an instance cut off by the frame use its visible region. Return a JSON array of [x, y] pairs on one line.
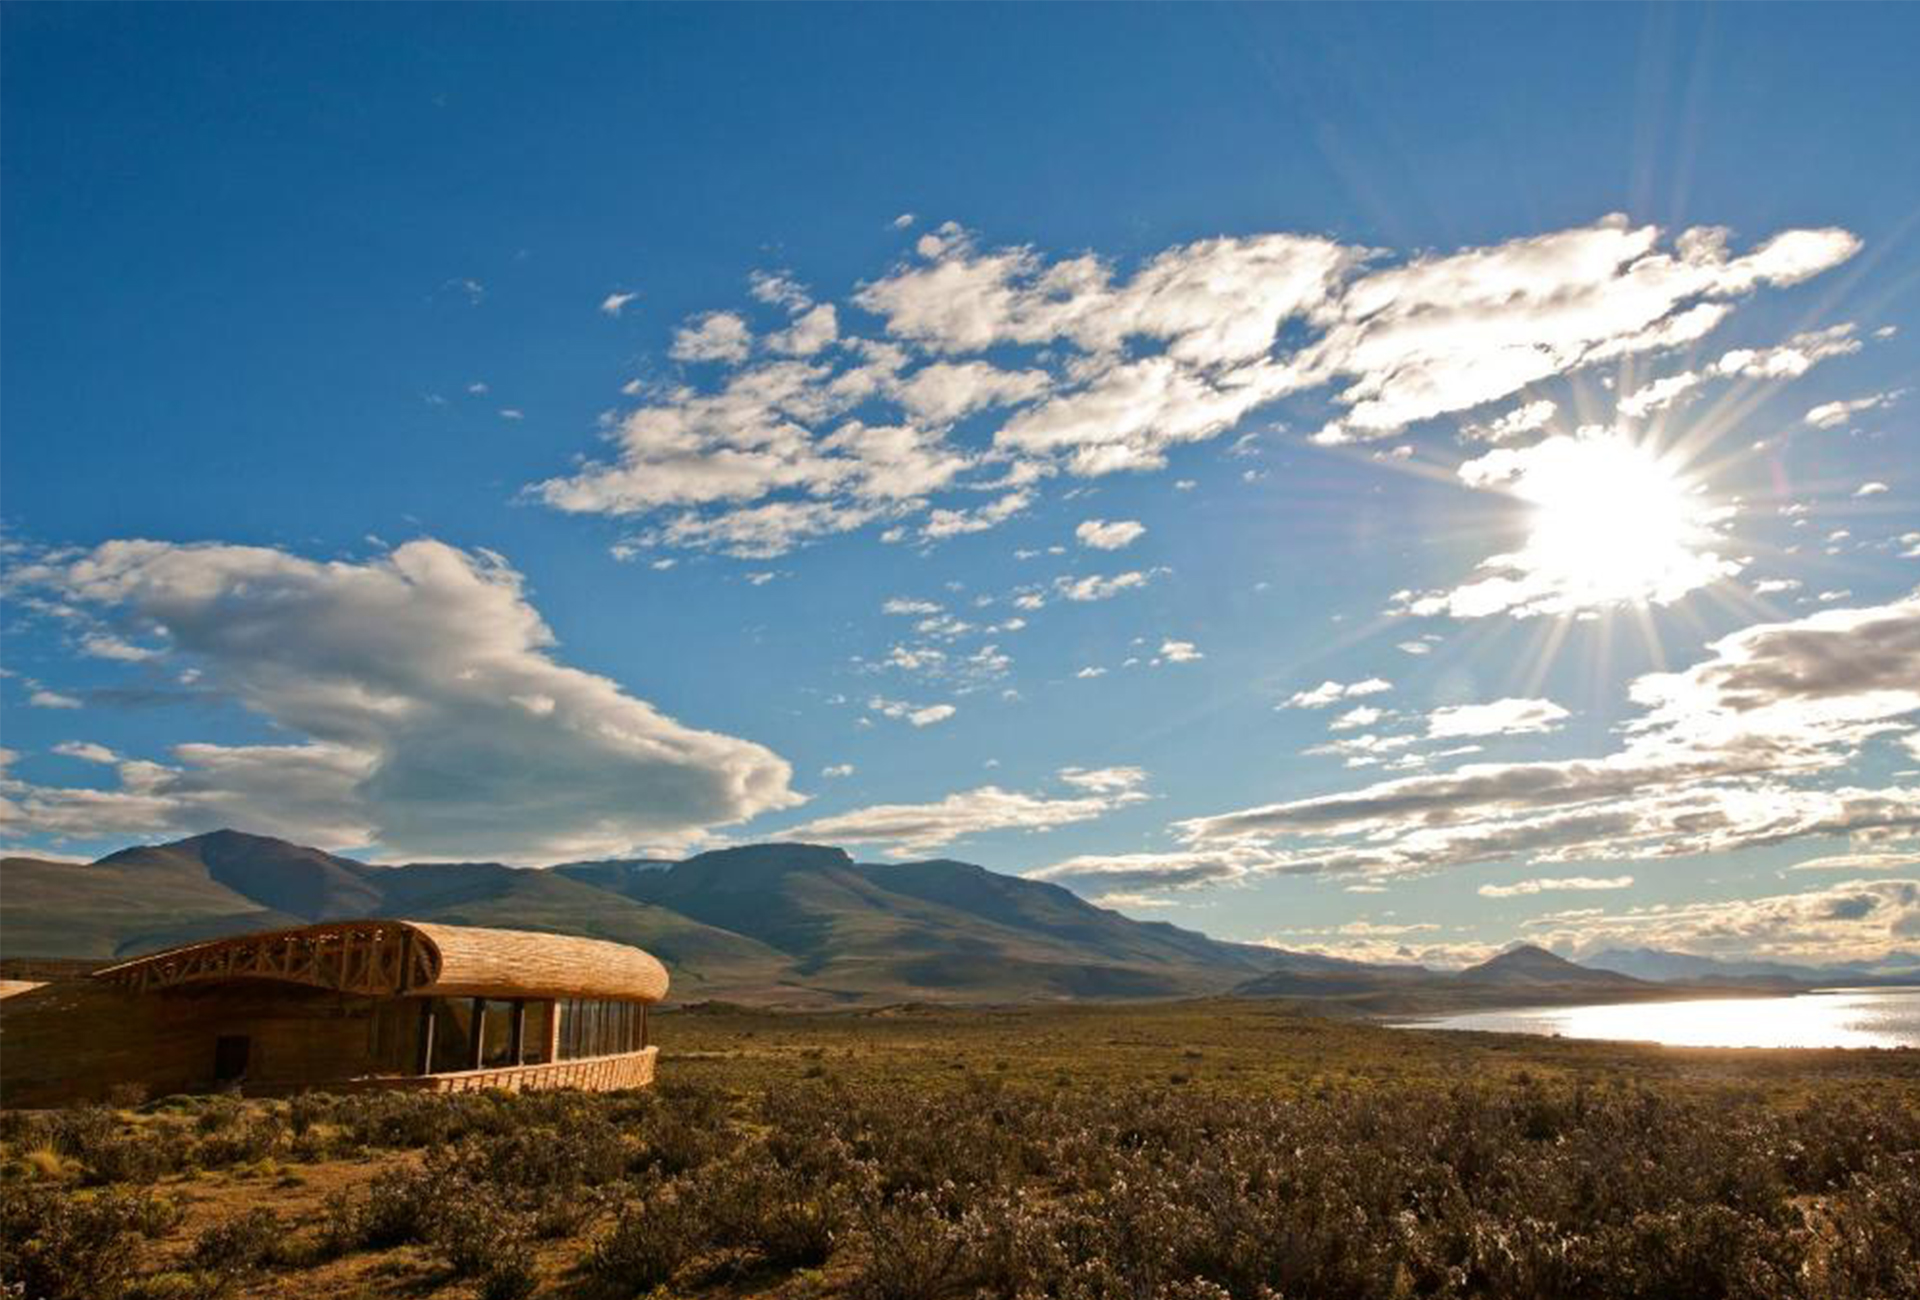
[[546, 432]]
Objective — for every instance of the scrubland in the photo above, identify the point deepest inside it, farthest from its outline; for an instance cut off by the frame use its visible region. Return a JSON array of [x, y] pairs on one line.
[[1182, 1150]]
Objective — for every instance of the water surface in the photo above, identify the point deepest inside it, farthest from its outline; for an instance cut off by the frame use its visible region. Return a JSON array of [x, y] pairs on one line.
[[1829, 1018]]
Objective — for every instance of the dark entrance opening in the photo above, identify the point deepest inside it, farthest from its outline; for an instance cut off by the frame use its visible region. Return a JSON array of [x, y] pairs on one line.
[[230, 1053]]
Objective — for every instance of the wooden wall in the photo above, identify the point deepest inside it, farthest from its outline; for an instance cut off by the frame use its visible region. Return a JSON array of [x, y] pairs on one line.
[[72, 1040]]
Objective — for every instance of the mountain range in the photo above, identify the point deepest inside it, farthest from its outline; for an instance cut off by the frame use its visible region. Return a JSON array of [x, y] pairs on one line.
[[795, 924], [792, 923]]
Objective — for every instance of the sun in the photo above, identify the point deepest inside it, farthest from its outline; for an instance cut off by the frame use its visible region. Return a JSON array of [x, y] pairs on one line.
[[1612, 523]]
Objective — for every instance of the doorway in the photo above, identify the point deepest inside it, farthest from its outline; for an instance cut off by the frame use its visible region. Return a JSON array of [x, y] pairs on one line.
[[230, 1056]]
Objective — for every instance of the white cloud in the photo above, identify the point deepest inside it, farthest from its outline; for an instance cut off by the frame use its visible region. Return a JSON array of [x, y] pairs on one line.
[[1096, 369], [426, 713], [1353, 719], [1514, 424], [715, 336], [101, 645], [1179, 652], [1892, 861], [812, 330], [1155, 873], [955, 523], [1791, 359], [1104, 780], [1101, 586], [1829, 414], [1104, 535], [1870, 489], [1329, 692], [778, 290], [1548, 884], [916, 608], [944, 391], [919, 828], [1788, 360], [1741, 749], [1090, 672], [920, 715], [615, 303], [1658, 395], [837, 770], [1448, 333], [1499, 718], [86, 751], [46, 699], [1853, 920]]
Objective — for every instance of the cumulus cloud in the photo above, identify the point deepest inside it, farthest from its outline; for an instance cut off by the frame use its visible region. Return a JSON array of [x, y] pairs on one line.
[[1104, 874], [1002, 366], [615, 303], [812, 330], [1515, 424], [1448, 333], [1105, 535], [919, 828], [1179, 652], [1499, 718], [1788, 360], [1740, 749], [715, 336], [1829, 414], [1550, 884], [426, 710], [1859, 862], [42, 698], [86, 751], [1095, 586], [1853, 920], [919, 715], [1330, 692]]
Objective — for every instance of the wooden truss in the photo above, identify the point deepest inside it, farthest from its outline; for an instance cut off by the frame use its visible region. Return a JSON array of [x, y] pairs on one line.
[[376, 958]]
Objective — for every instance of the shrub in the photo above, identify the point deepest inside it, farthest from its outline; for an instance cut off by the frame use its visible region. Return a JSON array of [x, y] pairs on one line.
[[231, 1251], [54, 1246], [651, 1241]]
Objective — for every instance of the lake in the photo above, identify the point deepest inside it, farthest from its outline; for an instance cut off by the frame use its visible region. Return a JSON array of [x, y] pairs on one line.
[[1829, 1018]]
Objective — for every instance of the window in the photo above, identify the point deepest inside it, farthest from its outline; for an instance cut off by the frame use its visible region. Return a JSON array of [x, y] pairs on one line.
[[538, 1030], [590, 1027], [496, 1034], [452, 1035]]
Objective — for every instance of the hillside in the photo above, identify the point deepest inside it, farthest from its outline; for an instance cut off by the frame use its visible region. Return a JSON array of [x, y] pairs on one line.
[[1528, 966], [791, 923]]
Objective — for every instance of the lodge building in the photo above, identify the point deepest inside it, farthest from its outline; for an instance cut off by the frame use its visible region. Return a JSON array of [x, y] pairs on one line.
[[343, 1005]]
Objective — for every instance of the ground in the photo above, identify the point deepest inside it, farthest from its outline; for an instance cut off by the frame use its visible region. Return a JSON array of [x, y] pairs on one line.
[[1180, 1150]]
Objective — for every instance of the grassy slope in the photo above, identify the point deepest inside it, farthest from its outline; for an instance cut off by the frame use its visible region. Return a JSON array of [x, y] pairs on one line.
[[80, 910]]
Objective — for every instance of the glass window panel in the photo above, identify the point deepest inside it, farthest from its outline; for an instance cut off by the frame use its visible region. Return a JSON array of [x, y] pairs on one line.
[[533, 1044], [496, 1040], [452, 1035]]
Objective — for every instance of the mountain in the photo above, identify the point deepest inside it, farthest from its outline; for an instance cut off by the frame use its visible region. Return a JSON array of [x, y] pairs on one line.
[[1665, 966], [768, 922], [1525, 973], [1528, 966]]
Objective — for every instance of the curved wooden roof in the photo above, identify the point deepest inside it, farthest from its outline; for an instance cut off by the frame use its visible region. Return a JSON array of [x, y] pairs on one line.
[[415, 958]]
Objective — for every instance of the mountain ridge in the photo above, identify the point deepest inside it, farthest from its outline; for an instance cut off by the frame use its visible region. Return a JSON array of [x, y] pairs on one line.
[[778, 922]]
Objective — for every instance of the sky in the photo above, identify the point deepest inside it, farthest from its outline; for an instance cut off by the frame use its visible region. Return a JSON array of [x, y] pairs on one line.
[[1386, 481]]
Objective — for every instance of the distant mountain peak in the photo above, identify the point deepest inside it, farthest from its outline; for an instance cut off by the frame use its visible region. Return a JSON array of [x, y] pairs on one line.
[[1529, 963]]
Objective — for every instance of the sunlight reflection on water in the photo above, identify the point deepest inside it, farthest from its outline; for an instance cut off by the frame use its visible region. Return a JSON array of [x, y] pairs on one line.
[[1840, 1018]]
